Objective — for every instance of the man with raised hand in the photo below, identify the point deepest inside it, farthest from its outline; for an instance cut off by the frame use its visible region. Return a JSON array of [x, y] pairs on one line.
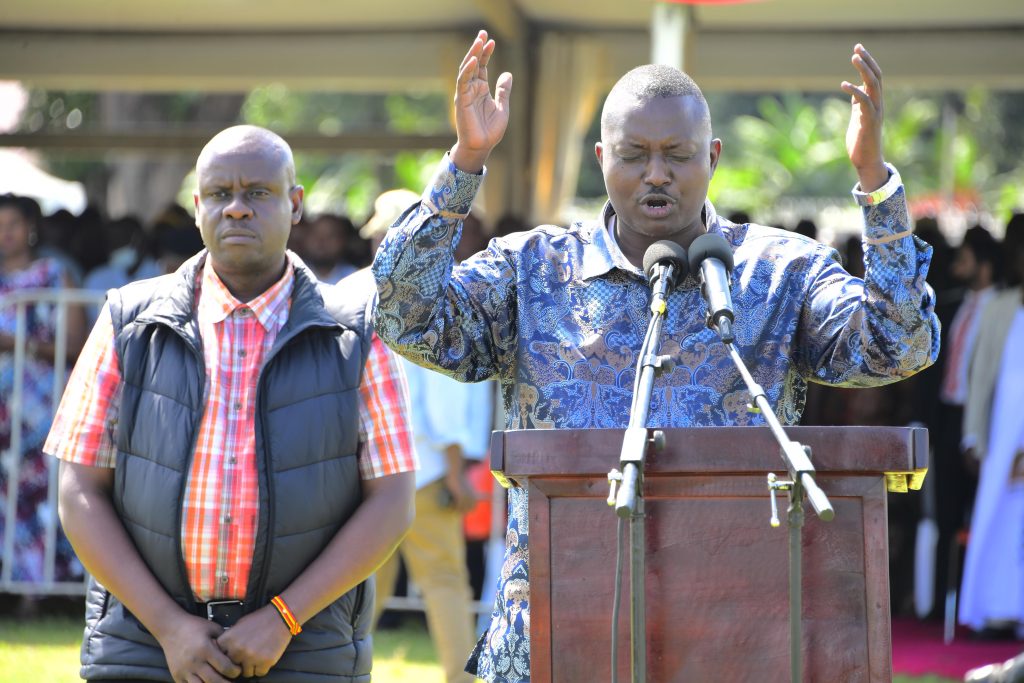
[[558, 315]]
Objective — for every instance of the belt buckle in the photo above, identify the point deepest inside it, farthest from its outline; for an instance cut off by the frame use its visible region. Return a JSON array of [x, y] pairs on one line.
[[224, 612]]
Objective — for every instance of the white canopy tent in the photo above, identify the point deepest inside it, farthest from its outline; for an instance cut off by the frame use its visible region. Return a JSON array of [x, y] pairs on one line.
[[21, 174]]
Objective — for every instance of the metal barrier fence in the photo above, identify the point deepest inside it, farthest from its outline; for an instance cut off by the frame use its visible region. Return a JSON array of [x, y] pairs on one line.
[[11, 459]]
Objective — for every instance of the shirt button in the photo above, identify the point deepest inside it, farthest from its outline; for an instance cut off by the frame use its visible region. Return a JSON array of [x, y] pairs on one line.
[[238, 405], [241, 353], [223, 578], [226, 519], [231, 460]]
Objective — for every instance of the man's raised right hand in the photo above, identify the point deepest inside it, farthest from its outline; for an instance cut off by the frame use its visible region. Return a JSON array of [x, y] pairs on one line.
[[480, 120]]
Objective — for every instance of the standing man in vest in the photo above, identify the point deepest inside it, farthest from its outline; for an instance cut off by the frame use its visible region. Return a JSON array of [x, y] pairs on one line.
[[235, 453]]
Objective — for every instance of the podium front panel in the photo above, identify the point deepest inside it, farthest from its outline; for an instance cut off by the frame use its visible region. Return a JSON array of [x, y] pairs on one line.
[[716, 573]]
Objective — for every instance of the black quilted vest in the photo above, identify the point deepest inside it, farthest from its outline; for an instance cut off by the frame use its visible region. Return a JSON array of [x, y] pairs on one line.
[[306, 446]]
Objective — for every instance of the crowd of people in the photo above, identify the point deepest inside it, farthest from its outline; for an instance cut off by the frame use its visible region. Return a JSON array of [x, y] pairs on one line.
[[230, 344]]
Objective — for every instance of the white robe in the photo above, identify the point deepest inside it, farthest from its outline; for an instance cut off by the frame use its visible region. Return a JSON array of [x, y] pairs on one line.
[[993, 582]]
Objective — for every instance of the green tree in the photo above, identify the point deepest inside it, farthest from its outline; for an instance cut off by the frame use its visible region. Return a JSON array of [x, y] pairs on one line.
[[793, 146], [348, 183]]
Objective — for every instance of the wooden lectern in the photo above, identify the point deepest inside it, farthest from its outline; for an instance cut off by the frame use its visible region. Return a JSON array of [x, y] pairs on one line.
[[717, 572]]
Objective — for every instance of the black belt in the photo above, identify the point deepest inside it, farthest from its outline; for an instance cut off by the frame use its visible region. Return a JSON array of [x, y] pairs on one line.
[[223, 612]]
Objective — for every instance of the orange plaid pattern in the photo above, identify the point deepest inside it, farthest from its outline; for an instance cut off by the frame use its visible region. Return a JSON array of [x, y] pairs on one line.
[[221, 504]]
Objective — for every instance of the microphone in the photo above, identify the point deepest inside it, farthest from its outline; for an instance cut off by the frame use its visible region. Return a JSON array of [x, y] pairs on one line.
[[711, 255], [665, 265]]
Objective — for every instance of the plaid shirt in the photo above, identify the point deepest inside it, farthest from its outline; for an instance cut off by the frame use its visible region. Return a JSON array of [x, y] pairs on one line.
[[221, 502]]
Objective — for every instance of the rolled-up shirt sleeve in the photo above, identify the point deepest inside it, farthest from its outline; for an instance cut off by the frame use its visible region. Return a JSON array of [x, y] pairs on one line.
[[83, 427], [384, 427]]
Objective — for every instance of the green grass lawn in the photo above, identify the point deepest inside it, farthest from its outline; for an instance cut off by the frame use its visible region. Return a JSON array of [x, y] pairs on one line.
[[45, 650]]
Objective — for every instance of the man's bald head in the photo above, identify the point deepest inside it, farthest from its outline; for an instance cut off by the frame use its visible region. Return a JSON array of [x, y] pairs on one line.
[[249, 140], [645, 83]]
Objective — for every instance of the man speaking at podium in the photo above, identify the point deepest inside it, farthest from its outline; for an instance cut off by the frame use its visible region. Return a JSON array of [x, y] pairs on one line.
[[557, 316]]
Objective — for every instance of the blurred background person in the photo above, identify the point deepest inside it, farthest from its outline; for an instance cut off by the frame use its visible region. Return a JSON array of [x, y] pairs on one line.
[[175, 243], [53, 240], [918, 398], [474, 237], [451, 426], [509, 223], [739, 217], [297, 238], [20, 269], [131, 258], [388, 205], [976, 267], [852, 252], [973, 272], [940, 275], [89, 246], [992, 592], [326, 247], [139, 254], [807, 228], [1012, 241]]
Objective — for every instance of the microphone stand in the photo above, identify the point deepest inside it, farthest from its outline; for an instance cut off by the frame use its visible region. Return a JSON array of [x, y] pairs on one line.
[[801, 473], [627, 487]]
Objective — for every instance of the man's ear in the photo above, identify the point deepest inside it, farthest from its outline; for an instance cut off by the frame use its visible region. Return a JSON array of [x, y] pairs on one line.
[[716, 154], [599, 153], [295, 195]]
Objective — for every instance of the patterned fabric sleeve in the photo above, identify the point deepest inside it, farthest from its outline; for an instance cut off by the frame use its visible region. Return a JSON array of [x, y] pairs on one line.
[[384, 427], [83, 428], [457, 319], [864, 333]]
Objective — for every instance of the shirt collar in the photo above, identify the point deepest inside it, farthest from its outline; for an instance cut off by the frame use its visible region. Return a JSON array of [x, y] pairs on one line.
[[603, 254], [216, 303]]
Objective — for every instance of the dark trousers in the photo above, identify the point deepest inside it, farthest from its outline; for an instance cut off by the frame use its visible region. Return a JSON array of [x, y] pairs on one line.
[[955, 487]]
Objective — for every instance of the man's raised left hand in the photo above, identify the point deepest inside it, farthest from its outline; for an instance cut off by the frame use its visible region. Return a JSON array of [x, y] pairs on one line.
[[864, 135]]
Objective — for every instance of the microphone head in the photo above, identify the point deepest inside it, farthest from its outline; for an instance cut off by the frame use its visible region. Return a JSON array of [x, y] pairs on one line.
[[665, 252], [710, 245]]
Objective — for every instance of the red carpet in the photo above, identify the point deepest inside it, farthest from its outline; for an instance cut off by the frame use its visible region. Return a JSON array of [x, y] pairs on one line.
[[917, 649]]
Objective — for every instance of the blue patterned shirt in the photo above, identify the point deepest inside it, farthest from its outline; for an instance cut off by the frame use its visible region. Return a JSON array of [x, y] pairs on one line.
[[557, 316]]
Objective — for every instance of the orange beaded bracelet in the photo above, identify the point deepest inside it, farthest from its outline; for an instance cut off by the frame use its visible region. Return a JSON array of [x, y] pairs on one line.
[[289, 619]]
